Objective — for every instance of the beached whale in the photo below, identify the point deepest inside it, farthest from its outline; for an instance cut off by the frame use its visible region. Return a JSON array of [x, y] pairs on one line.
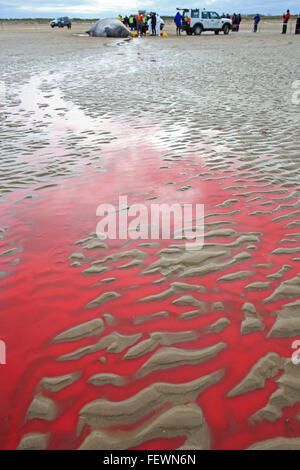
[[109, 28]]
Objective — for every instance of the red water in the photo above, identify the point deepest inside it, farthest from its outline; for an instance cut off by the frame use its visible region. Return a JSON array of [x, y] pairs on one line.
[[44, 296]]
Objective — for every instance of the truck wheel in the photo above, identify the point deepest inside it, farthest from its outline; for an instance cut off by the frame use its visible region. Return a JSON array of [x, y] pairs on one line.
[[198, 29], [226, 29]]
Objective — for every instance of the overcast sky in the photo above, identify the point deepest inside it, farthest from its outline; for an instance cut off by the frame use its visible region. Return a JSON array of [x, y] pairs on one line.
[[106, 8]]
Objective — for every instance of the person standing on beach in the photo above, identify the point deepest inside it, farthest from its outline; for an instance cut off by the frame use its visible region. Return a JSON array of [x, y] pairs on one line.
[[233, 21], [139, 24], [153, 24], [236, 21], [178, 22], [131, 22], [286, 18], [150, 24], [256, 21], [158, 22], [297, 30], [239, 20], [145, 24]]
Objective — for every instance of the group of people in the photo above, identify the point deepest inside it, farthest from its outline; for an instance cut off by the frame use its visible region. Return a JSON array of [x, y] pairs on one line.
[[142, 22], [236, 20], [286, 16], [180, 21]]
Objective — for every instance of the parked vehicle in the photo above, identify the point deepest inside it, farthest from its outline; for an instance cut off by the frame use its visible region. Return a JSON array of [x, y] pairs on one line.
[[61, 22], [200, 20]]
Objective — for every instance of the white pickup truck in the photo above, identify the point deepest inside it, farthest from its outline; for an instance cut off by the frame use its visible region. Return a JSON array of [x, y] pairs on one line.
[[203, 20]]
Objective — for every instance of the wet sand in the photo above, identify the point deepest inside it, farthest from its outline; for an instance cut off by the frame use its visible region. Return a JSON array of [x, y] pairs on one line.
[[142, 344]]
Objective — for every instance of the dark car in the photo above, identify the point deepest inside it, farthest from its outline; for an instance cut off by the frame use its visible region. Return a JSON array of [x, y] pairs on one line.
[[61, 22]]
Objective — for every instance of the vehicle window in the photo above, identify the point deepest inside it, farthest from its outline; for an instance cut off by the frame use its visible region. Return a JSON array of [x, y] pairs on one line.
[[205, 15], [214, 15], [195, 13]]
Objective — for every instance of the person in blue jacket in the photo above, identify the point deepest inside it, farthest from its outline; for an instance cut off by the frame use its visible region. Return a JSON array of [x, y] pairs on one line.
[[178, 22], [256, 21]]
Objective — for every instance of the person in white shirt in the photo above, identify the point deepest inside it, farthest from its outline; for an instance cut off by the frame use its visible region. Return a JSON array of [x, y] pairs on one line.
[[150, 25], [157, 24]]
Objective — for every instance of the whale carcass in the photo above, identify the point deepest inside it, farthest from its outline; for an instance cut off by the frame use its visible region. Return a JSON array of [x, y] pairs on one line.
[[109, 28]]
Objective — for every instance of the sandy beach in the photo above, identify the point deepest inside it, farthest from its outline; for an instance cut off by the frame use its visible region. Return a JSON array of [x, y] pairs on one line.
[[141, 344]]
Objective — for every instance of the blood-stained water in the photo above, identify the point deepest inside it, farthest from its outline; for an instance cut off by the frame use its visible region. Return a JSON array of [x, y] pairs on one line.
[[42, 295]]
